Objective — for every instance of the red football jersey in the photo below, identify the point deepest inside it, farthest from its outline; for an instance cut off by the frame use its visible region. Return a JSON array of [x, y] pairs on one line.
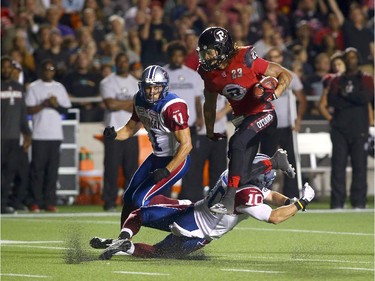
[[237, 80]]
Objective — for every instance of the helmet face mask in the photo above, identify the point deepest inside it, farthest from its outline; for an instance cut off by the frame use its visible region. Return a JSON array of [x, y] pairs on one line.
[[154, 84], [215, 45]]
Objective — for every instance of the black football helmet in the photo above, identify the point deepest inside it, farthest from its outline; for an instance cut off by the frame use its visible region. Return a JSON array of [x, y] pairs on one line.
[[216, 38]]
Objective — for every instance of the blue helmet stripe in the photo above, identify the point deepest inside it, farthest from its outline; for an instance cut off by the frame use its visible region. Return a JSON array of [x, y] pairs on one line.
[[152, 72]]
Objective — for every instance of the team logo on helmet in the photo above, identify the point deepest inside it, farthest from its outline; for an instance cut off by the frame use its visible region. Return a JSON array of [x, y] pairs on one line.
[[220, 35]]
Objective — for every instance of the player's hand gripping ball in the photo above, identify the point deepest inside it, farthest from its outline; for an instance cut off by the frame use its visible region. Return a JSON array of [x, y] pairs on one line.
[[265, 89]]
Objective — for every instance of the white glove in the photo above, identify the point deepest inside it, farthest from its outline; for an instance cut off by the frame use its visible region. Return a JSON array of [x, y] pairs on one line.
[[307, 192]]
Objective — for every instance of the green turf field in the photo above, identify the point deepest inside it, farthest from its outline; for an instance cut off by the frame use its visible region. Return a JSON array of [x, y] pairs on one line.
[[315, 245]]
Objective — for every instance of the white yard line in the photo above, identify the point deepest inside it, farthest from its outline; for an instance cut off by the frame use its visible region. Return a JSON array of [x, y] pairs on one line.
[[251, 270], [27, 242], [356, 268], [266, 257], [24, 275], [141, 273], [37, 247], [338, 211], [305, 231], [333, 261], [42, 220], [61, 215]]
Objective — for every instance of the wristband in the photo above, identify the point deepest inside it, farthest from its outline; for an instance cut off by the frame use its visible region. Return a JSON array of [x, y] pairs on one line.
[[301, 204]]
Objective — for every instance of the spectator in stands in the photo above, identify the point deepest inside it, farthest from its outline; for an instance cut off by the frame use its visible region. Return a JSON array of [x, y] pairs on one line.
[[136, 69], [314, 85], [218, 18], [34, 10], [19, 197], [154, 34], [21, 25], [24, 76], [239, 36], [118, 33], [111, 49], [191, 42], [264, 44], [20, 43], [13, 124], [93, 4], [82, 82], [135, 42], [299, 53], [105, 70], [278, 20], [333, 29], [53, 16], [348, 97], [279, 42], [46, 100], [289, 119], [355, 32], [43, 42], [86, 42], [312, 12], [56, 53], [95, 26], [140, 8], [337, 68], [117, 91], [182, 25], [196, 14], [328, 45], [304, 38]]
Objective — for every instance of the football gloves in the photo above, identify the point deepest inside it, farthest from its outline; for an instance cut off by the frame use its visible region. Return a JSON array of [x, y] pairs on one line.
[[160, 174], [110, 133], [307, 196]]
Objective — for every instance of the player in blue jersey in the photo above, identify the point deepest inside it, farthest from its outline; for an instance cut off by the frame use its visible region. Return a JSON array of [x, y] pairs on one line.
[[165, 117], [194, 225]]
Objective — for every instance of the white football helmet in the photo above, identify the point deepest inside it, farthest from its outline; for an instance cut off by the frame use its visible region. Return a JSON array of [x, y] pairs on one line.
[[263, 180], [152, 76]]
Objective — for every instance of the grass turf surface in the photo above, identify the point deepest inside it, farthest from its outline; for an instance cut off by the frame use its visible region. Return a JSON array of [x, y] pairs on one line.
[[316, 245]]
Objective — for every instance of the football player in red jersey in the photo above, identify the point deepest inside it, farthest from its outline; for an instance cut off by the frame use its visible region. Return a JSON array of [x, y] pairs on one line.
[[234, 71]]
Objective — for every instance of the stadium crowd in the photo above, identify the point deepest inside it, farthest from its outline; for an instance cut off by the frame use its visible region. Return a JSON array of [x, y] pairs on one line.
[[82, 39]]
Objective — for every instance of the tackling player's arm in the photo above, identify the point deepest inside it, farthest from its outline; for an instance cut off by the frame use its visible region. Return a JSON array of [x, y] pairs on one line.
[[282, 74], [209, 110], [183, 137], [276, 199], [283, 212]]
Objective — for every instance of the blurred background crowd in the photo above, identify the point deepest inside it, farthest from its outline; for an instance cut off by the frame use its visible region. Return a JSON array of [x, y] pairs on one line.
[[83, 37]]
